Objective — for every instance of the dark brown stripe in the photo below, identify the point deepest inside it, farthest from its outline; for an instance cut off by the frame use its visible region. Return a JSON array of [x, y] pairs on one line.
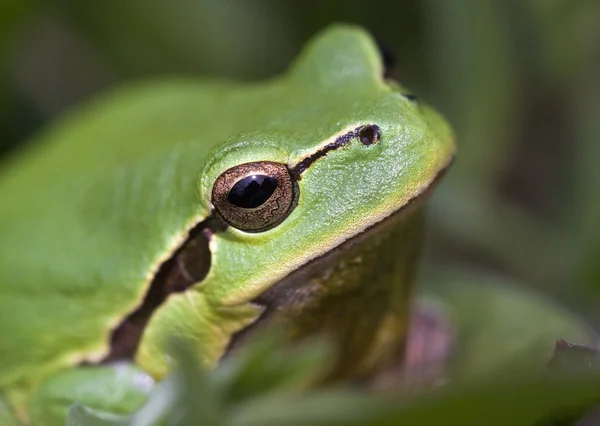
[[340, 142], [188, 265]]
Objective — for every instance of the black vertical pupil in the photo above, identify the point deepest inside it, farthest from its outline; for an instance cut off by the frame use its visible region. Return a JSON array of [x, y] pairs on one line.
[[252, 191]]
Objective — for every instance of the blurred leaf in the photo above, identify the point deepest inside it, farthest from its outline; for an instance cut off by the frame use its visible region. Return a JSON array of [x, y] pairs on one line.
[[199, 398], [474, 67], [316, 408], [119, 388], [570, 357], [586, 197], [497, 401], [7, 417], [190, 397], [498, 322], [266, 366], [11, 14], [80, 415]]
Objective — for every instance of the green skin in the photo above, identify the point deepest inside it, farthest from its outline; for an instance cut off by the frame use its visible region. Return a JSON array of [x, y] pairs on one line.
[[97, 203]]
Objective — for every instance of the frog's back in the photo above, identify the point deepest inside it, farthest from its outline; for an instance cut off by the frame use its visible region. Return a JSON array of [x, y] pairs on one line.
[[88, 211]]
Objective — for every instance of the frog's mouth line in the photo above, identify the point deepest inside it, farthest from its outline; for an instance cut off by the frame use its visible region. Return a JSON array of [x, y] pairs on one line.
[[289, 289]]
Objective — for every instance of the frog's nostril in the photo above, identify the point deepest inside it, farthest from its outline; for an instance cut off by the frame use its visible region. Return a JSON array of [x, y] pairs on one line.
[[368, 135]]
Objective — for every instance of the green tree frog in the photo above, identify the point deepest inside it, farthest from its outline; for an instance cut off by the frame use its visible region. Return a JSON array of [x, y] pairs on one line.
[[204, 209]]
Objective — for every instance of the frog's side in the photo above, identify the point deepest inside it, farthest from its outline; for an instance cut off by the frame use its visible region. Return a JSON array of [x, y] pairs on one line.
[[112, 238]]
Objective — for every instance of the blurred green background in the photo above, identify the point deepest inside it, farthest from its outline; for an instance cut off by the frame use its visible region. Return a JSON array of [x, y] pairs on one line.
[[519, 80]]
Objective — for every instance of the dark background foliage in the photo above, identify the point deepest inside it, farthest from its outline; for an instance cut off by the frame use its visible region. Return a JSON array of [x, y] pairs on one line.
[[518, 79]]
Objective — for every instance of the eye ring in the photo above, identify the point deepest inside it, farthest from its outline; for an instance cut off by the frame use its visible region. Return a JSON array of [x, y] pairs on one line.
[[255, 197]]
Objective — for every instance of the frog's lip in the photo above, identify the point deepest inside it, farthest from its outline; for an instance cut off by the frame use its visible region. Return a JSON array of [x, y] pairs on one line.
[[283, 292]]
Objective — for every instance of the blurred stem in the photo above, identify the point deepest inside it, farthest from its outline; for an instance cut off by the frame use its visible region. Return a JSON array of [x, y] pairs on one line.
[[586, 208], [474, 74], [12, 13], [478, 219]]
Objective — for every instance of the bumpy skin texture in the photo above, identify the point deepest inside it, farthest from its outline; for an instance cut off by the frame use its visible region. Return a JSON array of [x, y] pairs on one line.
[[94, 205]]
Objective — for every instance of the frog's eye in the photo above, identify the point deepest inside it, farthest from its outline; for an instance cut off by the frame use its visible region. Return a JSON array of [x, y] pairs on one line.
[[255, 197]]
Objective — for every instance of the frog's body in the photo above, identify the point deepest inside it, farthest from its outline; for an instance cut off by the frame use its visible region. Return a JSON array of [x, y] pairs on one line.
[[100, 214]]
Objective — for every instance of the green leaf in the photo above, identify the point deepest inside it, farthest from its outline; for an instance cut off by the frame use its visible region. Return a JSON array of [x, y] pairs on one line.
[[266, 366], [80, 415]]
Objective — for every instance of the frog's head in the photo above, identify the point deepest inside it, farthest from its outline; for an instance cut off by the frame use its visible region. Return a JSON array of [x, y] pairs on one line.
[[319, 158], [334, 148]]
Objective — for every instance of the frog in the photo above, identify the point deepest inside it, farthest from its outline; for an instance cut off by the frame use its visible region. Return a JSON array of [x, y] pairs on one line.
[[207, 209]]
